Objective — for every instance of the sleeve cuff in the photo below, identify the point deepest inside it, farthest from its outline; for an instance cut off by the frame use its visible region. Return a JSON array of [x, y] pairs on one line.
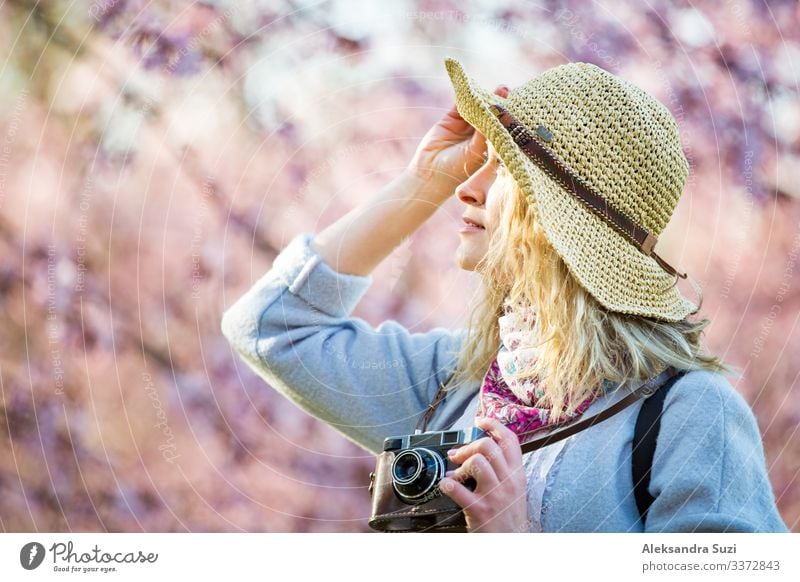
[[309, 277]]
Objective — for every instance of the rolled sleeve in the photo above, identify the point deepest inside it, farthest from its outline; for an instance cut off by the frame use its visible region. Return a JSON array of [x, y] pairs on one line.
[[308, 276], [294, 329]]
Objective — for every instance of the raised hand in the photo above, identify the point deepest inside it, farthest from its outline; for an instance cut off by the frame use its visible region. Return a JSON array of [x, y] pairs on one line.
[[450, 151]]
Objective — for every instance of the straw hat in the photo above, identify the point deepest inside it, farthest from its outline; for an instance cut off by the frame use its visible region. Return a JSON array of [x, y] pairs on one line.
[[601, 162]]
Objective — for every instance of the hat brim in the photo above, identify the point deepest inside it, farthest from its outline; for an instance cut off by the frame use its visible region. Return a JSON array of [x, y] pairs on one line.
[[607, 265]]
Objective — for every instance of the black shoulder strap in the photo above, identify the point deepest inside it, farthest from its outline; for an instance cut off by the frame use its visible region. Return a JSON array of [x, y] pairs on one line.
[[644, 390], [645, 434]]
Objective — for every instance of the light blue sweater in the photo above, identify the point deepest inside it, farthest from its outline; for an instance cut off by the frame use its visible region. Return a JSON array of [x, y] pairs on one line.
[[294, 329]]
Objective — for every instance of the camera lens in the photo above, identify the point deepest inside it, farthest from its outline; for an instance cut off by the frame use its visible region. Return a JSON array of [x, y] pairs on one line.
[[406, 468], [415, 473]]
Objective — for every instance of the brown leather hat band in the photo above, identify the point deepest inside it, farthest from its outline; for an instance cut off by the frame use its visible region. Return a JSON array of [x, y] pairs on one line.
[[577, 186]]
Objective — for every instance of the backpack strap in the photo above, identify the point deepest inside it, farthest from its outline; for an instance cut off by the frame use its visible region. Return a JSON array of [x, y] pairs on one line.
[[645, 434]]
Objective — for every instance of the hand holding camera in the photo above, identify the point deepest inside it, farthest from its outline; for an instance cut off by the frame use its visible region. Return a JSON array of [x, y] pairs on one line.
[[498, 503], [486, 489]]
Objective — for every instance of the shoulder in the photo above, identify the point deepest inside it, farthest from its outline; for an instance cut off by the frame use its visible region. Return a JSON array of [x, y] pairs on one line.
[[709, 457], [703, 406], [704, 391]]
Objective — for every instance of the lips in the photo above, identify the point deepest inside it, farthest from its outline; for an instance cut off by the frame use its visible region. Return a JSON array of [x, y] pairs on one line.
[[469, 222]]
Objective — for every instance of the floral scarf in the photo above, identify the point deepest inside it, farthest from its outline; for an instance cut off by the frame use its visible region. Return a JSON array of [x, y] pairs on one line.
[[506, 397]]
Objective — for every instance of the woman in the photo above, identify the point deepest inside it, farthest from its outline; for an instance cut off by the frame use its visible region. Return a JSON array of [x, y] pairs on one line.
[[567, 182]]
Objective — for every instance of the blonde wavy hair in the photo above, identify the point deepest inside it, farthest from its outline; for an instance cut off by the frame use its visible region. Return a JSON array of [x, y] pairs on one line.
[[581, 342]]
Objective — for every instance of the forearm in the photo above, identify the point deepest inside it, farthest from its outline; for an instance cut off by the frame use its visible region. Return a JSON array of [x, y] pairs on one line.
[[293, 328], [357, 242]]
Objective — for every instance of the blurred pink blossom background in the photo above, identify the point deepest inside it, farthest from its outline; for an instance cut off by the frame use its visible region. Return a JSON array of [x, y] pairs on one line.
[[155, 156]]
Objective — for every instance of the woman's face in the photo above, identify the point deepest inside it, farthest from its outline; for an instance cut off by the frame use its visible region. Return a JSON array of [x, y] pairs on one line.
[[481, 193]]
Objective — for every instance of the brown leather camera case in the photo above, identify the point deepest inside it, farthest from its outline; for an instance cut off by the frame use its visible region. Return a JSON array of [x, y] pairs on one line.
[[390, 514]]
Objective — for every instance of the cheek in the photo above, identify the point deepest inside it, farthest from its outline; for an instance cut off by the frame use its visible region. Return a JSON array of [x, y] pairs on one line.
[[493, 212]]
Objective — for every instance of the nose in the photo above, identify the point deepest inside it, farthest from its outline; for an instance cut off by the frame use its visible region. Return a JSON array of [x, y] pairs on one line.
[[472, 191]]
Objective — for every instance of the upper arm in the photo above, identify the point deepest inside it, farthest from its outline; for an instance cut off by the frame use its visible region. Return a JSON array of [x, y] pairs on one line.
[[709, 471], [294, 329]]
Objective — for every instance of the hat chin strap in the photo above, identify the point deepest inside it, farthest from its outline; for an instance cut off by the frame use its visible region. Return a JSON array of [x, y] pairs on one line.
[[585, 192]]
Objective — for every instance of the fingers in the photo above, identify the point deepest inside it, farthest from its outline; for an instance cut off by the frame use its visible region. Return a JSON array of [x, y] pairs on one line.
[[454, 115], [502, 90], [459, 493], [477, 467], [506, 439], [487, 450], [457, 123], [481, 470], [477, 148], [501, 447], [495, 463], [453, 112]]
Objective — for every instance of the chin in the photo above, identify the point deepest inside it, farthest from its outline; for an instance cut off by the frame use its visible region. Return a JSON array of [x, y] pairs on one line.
[[466, 261]]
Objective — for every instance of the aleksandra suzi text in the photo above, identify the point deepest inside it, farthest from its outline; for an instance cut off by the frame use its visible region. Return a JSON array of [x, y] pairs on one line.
[[693, 549]]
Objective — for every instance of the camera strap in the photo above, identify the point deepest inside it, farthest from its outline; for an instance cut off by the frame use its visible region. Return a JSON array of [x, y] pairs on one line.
[[439, 514], [425, 418], [645, 390]]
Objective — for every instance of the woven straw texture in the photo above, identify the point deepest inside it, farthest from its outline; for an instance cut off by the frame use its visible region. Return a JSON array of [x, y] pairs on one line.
[[619, 139]]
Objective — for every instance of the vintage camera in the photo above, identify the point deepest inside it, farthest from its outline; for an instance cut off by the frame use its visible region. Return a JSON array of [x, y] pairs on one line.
[[405, 484], [420, 461]]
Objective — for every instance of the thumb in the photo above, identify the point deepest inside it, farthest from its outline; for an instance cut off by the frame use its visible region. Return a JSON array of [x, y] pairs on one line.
[[476, 149]]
